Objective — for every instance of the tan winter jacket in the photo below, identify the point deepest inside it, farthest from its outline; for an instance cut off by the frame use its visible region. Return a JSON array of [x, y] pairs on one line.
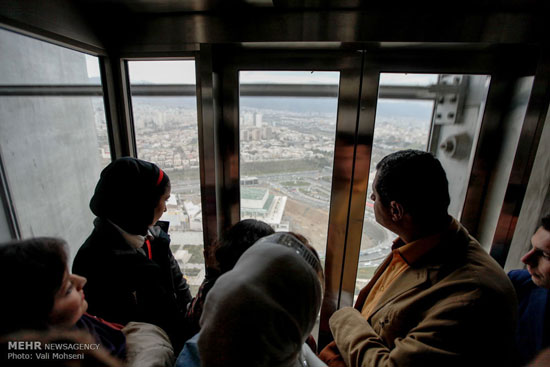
[[455, 306]]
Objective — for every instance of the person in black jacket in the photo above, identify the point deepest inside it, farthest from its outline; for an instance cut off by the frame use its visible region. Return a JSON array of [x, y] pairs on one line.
[[131, 271]]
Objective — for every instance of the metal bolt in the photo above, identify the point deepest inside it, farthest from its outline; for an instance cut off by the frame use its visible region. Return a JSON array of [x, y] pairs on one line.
[[447, 146]]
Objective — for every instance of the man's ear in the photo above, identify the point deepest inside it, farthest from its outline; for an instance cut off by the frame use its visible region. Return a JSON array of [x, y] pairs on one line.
[[396, 210]]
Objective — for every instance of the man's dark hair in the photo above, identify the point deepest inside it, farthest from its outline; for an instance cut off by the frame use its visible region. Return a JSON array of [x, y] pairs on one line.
[[416, 180], [546, 222]]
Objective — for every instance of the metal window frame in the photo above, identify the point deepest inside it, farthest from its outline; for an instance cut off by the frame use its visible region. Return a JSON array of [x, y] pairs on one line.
[[345, 235], [118, 140], [189, 90], [349, 64], [207, 188], [118, 105], [218, 177], [8, 205], [214, 171], [376, 63], [426, 61], [524, 159], [7, 201]]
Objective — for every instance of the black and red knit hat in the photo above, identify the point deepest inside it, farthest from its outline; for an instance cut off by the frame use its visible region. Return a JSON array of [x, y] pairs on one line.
[[127, 193]]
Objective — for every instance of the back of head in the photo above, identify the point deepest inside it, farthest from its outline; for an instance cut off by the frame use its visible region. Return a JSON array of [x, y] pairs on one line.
[[237, 239], [32, 272], [416, 180], [127, 193], [261, 312]]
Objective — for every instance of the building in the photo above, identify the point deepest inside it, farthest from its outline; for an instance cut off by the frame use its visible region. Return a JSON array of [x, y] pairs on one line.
[[261, 204]]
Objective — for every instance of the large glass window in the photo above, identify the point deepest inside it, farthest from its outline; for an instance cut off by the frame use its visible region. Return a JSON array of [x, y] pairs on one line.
[[286, 153], [53, 143], [165, 122], [436, 112]]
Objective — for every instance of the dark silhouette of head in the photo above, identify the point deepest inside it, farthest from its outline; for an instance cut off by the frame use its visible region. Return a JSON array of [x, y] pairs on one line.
[[416, 180], [128, 192], [32, 273], [537, 263], [268, 304], [237, 239]]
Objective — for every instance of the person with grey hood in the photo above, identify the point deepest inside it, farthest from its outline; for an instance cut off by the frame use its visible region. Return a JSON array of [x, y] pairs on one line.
[[261, 312]]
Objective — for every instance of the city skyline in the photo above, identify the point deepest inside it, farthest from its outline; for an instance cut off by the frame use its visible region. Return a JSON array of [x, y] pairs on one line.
[[294, 135], [166, 134]]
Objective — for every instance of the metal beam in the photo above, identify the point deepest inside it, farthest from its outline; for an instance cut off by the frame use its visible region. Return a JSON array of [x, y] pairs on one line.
[[246, 90]]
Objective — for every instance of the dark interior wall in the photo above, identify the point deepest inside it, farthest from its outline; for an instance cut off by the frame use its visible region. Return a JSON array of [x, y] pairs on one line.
[[131, 26], [58, 21], [184, 31]]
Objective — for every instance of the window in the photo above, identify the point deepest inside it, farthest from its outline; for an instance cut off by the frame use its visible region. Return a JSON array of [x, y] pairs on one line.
[[444, 117], [165, 121], [53, 143], [286, 152]]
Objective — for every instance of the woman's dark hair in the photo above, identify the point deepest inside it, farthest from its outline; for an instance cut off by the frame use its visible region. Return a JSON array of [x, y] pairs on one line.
[[32, 273], [237, 239], [127, 193], [416, 180]]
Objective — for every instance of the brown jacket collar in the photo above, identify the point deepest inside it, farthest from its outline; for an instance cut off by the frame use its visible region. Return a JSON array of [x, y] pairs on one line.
[[448, 252]]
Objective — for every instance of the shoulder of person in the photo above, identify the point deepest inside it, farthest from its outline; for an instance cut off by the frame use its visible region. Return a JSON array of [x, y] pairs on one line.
[[159, 233], [519, 276]]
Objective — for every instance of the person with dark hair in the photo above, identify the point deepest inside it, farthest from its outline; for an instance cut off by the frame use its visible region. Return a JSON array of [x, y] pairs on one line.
[[533, 290], [261, 312], [39, 294], [424, 197], [222, 257], [438, 299], [132, 274], [237, 239]]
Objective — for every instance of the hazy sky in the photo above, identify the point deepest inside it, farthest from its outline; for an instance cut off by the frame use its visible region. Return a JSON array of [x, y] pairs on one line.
[[162, 72], [183, 72], [92, 65]]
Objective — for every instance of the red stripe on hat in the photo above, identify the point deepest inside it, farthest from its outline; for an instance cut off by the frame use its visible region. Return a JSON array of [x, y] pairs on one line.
[[148, 243], [161, 175]]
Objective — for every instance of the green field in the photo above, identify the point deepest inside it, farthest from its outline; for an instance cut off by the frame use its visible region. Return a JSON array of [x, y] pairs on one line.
[[196, 254], [294, 165]]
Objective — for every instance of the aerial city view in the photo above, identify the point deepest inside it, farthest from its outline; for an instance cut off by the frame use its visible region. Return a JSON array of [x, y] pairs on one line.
[[295, 136]]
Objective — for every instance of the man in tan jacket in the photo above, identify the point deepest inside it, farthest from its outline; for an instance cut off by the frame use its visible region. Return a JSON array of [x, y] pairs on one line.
[[438, 299]]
